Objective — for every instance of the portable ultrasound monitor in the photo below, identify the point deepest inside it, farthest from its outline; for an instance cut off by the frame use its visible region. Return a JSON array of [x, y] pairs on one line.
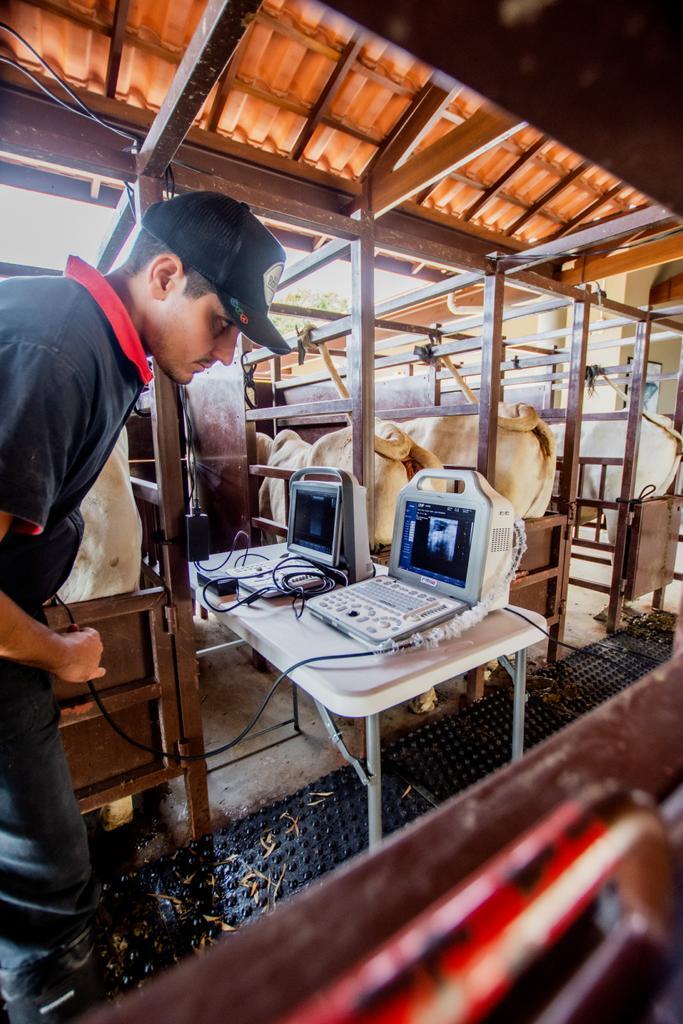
[[314, 528], [326, 528], [450, 549]]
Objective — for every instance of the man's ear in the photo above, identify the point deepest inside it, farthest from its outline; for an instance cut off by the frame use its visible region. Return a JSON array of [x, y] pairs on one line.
[[165, 274]]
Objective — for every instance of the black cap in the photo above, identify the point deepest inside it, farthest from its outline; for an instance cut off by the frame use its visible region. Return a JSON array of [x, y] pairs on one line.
[[223, 240]]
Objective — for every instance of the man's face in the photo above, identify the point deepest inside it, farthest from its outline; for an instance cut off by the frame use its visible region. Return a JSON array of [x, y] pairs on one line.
[[185, 335]]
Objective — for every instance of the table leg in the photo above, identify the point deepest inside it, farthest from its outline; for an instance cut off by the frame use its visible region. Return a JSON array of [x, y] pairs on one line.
[[519, 705], [295, 707], [374, 765]]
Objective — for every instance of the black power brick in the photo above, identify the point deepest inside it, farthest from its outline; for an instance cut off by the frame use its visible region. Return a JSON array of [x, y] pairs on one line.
[[222, 586], [197, 529]]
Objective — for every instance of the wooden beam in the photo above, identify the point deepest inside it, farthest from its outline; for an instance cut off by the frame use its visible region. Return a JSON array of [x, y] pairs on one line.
[[548, 196], [96, 23], [630, 81], [667, 290], [411, 129], [328, 95], [218, 33], [226, 81], [284, 28], [479, 133], [650, 254], [69, 185], [495, 187], [493, 238], [593, 235], [588, 210], [118, 35], [297, 107]]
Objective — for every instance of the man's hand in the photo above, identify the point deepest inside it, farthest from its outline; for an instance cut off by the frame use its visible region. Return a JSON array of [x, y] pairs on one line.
[[79, 659]]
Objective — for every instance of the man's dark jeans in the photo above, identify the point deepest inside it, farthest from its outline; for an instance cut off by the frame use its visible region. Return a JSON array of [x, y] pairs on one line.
[[48, 895]]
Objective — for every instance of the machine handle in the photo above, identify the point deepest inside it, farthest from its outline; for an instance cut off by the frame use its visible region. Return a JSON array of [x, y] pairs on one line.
[[466, 476], [338, 474]]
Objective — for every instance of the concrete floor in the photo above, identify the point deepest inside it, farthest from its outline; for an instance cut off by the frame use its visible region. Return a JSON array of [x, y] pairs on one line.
[[232, 689]]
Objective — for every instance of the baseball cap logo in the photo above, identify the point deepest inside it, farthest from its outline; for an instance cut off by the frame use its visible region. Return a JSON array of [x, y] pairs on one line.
[[271, 279], [244, 319]]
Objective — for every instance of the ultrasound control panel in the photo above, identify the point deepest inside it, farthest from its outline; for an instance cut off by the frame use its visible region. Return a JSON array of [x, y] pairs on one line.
[[382, 609]]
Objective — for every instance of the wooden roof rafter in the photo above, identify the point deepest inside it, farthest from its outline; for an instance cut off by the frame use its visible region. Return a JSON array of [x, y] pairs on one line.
[[324, 102], [586, 211], [638, 257], [495, 187], [118, 35], [547, 197], [227, 79], [216, 36], [483, 130]]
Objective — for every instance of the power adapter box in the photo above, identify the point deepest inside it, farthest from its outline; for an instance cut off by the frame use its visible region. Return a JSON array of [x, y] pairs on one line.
[[197, 531]]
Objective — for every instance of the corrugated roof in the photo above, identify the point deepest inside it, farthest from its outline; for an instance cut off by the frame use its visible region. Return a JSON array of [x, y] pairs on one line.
[[269, 91]]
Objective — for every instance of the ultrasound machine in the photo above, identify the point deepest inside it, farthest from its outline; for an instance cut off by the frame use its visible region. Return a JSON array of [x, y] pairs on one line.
[[451, 549], [327, 531]]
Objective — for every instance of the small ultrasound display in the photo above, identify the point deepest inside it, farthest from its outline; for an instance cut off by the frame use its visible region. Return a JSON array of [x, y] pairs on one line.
[[436, 541], [314, 519]]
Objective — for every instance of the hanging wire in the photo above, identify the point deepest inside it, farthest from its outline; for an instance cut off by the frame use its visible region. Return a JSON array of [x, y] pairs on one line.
[[191, 454], [85, 110]]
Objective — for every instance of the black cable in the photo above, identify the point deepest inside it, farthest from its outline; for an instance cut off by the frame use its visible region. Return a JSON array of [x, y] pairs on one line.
[[231, 743], [249, 599], [571, 647], [249, 381], [212, 568], [85, 110], [191, 454]]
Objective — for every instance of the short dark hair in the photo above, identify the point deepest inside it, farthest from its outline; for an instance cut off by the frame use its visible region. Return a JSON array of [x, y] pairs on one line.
[[146, 247]]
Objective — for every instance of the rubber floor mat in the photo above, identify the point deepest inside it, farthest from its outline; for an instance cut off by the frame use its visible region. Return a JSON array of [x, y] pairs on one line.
[[183, 903]]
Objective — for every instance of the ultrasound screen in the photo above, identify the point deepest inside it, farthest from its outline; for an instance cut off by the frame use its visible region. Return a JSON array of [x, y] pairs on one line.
[[436, 541], [314, 518]]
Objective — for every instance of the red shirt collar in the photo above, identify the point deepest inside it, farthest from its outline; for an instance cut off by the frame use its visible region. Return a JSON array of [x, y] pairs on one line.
[[115, 312]]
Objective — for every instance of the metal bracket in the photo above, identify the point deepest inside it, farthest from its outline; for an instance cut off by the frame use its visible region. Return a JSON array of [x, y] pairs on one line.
[[338, 740]]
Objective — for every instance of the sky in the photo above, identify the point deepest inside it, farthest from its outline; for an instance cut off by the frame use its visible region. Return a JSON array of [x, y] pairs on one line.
[[41, 231]]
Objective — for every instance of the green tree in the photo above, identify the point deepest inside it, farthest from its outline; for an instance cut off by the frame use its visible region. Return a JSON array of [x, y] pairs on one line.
[[332, 301]]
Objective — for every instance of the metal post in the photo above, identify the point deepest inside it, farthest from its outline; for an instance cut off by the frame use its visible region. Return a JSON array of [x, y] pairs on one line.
[[569, 474], [519, 705], [374, 765], [167, 458], [361, 358], [628, 478], [659, 595], [490, 387]]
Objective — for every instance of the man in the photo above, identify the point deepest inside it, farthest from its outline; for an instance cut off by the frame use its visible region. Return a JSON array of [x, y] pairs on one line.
[[73, 360]]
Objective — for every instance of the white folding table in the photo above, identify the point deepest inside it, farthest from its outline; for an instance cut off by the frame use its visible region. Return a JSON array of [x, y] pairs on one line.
[[364, 687]]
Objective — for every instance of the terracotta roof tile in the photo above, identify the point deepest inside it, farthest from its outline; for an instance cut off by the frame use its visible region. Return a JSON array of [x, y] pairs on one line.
[[289, 55]]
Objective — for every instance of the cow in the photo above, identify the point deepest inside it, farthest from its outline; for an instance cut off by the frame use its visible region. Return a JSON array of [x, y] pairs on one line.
[[108, 560], [525, 452], [397, 458]]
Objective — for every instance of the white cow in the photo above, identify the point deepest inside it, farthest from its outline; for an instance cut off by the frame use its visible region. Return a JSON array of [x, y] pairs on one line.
[[397, 459], [659, 457], [108, 560], [525, 452]]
